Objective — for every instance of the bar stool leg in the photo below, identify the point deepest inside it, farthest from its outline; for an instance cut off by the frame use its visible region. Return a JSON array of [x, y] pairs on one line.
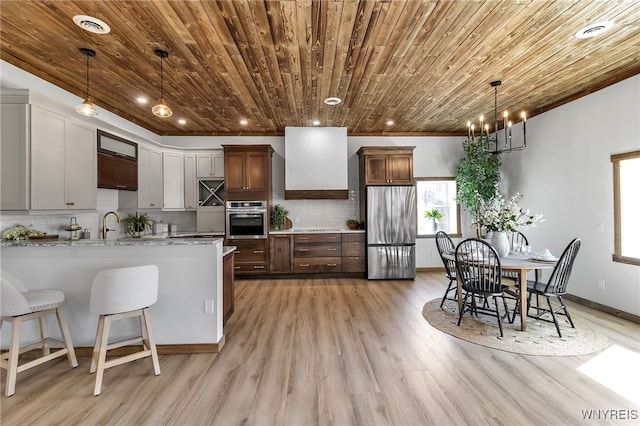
[[102, 355], [147, 336], [44, 335], [96, 347], [71, 355], [14, 351]]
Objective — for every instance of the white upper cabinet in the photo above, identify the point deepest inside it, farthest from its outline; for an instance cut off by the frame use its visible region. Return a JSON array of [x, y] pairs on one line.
[[63, 162], [190, 182], [14, 156], [210, 165], [173, 180], [149, 177]]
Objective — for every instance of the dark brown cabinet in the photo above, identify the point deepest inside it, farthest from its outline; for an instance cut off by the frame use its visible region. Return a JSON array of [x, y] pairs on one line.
[[281, 254], [247, 172], [353, 252], [386, 165], [117, 172], [250, 256], [227, 287], [317, 253]]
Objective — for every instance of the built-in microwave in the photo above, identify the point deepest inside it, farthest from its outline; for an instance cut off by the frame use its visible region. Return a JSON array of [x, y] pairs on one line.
[[247, 219]]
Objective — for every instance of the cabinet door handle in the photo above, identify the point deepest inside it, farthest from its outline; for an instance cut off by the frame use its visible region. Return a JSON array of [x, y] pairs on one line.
[[331, 238], [332, 264], [303, 265], [258, 251], [71, 204], [331, 249], [303, 238], [121, 186], [152, 204], [237, 252], [258, 267], [352, 243], [236, 267], [303, 250]]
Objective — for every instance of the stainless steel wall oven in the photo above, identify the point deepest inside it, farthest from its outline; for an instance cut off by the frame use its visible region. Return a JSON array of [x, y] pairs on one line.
[[247, 219]]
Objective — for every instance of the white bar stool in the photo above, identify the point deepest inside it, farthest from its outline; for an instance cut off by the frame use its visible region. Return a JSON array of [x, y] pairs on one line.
[[18, 305], [123, 293]]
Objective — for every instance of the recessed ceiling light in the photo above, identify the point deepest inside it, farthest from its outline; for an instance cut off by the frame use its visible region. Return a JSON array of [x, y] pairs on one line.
[[593, 30], [332, 101], [316, 122], [91, 24], [182, 121], [390, 123], [244, 122], [142, 100]]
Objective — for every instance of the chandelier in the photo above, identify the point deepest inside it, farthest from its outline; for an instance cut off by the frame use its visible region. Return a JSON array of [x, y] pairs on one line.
[[501, 139]]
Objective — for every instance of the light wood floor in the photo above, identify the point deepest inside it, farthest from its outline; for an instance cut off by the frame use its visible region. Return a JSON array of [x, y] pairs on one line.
[[339, 351]]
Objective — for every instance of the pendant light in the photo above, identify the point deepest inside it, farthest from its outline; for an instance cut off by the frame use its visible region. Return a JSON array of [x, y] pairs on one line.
[[161, 109], [87, 107]]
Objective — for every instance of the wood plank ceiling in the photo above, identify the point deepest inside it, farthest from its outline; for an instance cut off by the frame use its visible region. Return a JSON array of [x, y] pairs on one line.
[[426, 65]]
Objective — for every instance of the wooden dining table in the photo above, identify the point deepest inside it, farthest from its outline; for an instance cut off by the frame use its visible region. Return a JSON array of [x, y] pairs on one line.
[[511, 263]]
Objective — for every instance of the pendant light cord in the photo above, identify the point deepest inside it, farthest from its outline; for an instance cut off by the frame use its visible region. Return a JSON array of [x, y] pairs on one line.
[[87, 76]]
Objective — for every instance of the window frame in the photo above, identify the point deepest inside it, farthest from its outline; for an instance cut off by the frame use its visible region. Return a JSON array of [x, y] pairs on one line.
[[458, 214], [617, 208]]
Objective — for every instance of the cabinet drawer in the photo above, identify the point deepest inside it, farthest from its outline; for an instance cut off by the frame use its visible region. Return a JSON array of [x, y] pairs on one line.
[[355, 236], [353, 264], [250, 267], [250, 250], [317, 265], [317, 250], [353, 248], [317, 238]]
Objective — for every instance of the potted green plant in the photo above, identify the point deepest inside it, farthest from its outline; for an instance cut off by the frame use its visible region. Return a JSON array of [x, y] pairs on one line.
[[137, 223], [278, 217], [436, 216], [477, 177], [352, 224]]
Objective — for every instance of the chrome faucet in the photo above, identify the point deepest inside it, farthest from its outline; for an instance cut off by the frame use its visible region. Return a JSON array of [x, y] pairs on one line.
[[104, 223]]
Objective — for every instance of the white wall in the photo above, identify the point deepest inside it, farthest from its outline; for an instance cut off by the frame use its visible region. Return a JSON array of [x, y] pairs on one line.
[[566, 174]]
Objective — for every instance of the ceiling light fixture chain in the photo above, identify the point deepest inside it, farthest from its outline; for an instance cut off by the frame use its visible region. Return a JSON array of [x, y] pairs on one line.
[[493, 144], [161, 109], [87, 107]]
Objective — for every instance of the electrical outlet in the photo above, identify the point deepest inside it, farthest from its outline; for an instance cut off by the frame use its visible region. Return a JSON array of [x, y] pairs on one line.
[[208, 306], [601, 285]]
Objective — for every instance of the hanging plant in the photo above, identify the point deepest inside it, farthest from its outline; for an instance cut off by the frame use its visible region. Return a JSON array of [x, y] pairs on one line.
[[478, 176]]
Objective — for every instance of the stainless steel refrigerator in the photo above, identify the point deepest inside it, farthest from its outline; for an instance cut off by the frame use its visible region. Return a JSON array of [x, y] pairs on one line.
[[391, 232]]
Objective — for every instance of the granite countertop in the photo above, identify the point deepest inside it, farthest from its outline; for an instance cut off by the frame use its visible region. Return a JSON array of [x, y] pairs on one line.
[[318, 231], [144, 241], [228, 250]]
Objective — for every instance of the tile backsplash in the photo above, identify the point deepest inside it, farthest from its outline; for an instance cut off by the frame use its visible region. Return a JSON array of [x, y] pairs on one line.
[[303, 214], [107, 201]]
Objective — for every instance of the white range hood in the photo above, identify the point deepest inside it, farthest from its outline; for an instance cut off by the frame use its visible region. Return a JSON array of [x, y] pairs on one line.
[[316, 163]]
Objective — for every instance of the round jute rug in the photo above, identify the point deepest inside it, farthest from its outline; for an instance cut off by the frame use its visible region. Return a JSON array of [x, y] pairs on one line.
[[540, 338]]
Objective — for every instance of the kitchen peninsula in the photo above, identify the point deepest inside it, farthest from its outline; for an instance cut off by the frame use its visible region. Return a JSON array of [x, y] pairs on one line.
[[190, 274]]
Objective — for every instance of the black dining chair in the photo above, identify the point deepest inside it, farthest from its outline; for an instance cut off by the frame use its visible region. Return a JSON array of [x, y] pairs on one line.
[[444, 245], [555, 287], [478, 267], [518, 239]]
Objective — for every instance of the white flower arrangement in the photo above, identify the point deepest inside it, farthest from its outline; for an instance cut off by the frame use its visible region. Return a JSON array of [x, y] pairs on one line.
[[499, 214], [20, 232]]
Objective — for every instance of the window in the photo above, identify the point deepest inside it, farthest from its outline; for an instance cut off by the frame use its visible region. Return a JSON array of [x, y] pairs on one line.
[[626, 204], [437, 194]]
